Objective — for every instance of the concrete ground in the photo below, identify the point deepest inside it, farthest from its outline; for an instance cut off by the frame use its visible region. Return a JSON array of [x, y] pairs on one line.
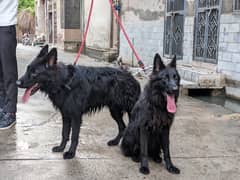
[[205, 141]]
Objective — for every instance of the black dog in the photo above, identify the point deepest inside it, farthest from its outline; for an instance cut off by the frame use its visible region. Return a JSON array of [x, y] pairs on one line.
[[76, 90], [152, 117]]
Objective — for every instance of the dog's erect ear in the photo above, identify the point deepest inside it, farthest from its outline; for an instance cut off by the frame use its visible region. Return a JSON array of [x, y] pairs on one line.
[[173, 63], [52, 57], [158, 64], [44, 51]]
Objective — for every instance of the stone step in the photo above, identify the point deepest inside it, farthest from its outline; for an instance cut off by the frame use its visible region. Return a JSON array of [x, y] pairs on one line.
[[201, 78], [108, 55], [188, 84]]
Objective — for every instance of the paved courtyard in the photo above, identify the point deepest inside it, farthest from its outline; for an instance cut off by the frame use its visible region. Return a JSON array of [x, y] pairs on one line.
[[205, 141]]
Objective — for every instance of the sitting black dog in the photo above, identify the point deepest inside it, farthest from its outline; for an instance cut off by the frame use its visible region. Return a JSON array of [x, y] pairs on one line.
[[152, 117], [76, 90]]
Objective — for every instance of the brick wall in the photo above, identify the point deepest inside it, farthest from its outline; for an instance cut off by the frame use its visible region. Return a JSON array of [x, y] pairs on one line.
[[148, 39], [229, 46], [188, 39], [148, 34], [144, 22]]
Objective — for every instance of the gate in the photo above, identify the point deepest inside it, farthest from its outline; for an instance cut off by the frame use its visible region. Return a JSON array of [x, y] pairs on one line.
[[207, 30], [174, 26]]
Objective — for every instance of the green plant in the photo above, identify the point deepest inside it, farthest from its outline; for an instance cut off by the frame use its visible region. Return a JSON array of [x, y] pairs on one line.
[[26, 4]]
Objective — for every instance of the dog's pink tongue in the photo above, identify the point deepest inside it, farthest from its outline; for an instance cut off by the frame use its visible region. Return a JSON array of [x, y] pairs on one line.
[[171, 105], [27, 94]]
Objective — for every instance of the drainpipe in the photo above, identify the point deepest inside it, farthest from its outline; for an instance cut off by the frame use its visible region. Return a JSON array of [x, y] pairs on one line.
[[82, 23], [118, 28]]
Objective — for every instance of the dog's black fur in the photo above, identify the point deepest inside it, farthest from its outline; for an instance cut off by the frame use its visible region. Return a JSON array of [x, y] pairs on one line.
[[148, 131], [76, 90]]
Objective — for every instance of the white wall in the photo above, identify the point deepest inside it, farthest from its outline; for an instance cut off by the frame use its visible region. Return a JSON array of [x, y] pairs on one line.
[[100, 25]]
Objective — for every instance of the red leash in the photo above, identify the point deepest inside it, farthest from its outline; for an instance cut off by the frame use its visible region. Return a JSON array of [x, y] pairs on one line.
[[125, 34], [121, 26], [85, 34]]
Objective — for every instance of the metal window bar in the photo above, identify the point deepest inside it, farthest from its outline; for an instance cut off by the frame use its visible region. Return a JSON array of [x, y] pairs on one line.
[[206, 30], [236, 5], [174, 28]]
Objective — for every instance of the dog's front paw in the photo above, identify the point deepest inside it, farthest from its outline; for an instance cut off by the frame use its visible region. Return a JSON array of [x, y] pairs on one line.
[[144, 170], [57, 149], [68, 155], [172, 169], [113, 142]]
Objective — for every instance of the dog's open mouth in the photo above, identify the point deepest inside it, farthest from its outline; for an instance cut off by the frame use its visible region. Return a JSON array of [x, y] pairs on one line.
[[29, 92], [171, 105]]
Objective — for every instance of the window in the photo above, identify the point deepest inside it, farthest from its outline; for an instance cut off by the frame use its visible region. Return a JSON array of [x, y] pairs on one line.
[[174, 24], [236, 5], [70, 14], [206, 30]]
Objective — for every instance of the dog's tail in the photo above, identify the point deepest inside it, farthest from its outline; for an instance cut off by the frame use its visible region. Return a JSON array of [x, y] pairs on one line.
[[128, 144], [126, 150]]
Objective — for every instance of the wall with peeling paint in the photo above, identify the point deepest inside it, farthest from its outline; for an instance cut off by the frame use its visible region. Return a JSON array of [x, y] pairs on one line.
[[144, 10]]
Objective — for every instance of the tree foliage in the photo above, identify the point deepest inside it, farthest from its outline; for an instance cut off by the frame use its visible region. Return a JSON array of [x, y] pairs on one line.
[[26, 20], [26, 4]]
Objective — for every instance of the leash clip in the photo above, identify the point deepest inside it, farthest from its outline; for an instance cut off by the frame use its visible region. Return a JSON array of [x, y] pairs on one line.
[[140, 63], [67, 87]]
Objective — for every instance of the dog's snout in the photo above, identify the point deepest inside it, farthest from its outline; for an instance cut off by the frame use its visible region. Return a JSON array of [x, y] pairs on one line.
[[19, 82], [174, 88]]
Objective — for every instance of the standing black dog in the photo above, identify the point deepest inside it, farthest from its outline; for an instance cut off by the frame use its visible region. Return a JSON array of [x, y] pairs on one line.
[[76, 90], [152, 117]]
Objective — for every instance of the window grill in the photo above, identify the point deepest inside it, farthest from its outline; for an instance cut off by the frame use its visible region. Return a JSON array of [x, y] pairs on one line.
[[174, 28], [236, 5], [207, 30]]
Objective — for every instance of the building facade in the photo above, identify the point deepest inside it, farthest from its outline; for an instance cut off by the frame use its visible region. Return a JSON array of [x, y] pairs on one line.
[[60, 21], [204, 34], [63, 22]]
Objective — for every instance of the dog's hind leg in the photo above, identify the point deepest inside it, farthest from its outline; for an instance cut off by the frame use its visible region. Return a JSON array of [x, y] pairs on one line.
[[136, 154], [144, 151], [117, 115], [65, 134], [75, 124]]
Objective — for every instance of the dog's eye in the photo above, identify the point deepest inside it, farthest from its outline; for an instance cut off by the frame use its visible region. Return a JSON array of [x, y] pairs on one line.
[[33, 74], [166, 78], [175, 77], [163, 79]]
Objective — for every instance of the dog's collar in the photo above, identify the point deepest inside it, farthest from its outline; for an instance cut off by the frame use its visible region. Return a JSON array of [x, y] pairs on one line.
[[68, 83]]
